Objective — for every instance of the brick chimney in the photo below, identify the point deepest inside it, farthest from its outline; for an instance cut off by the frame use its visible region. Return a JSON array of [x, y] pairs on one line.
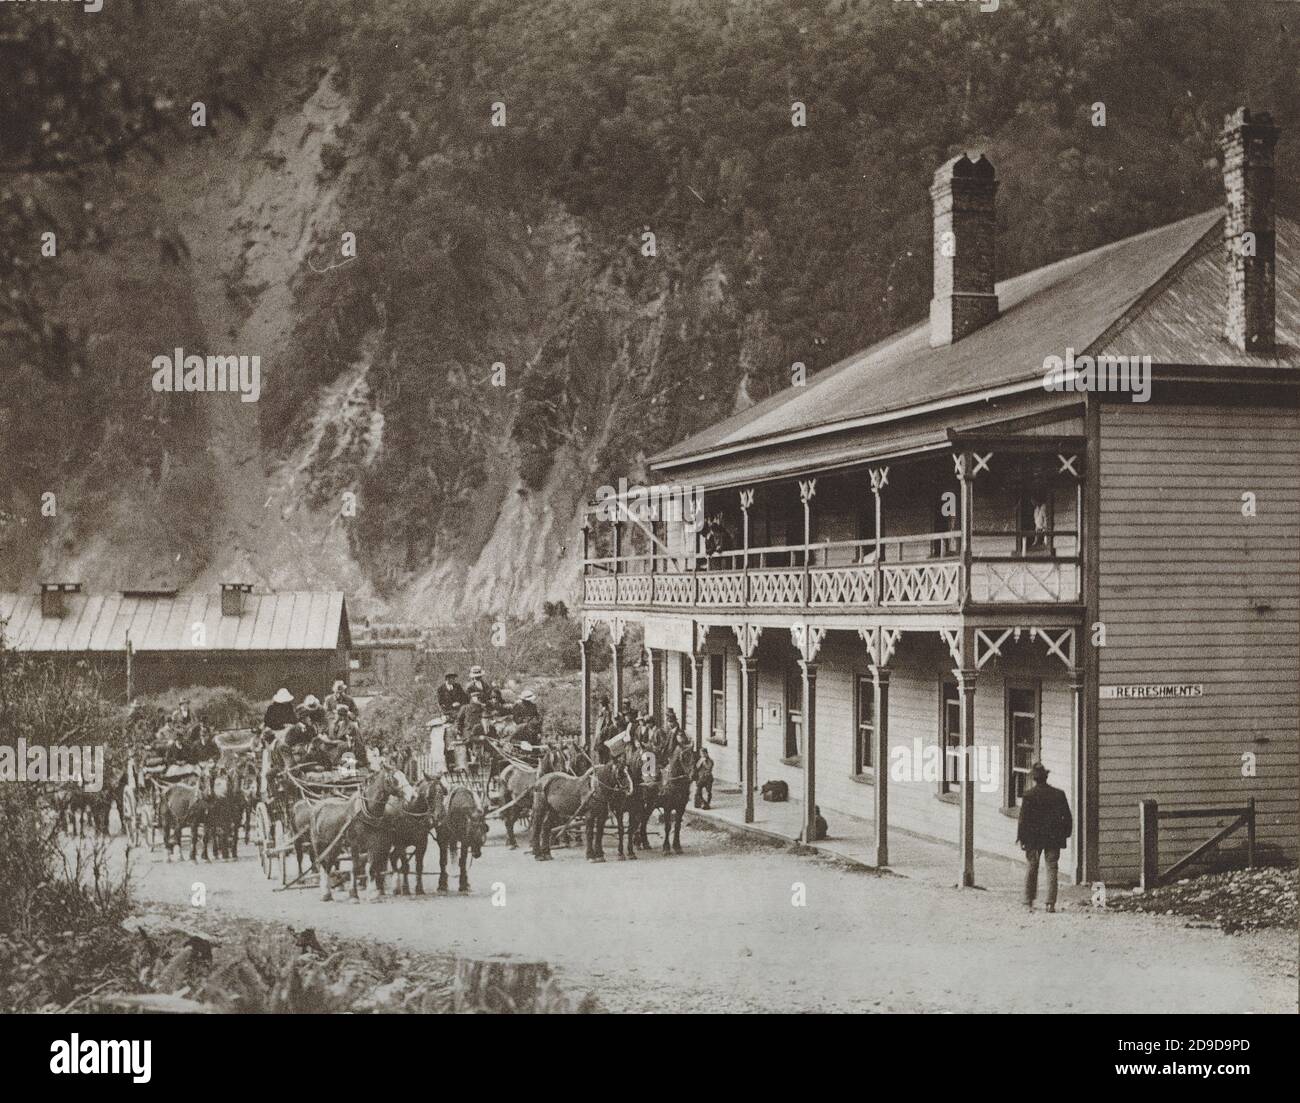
[[1248, 141], [52, 597], [965, 248], [232, 598]]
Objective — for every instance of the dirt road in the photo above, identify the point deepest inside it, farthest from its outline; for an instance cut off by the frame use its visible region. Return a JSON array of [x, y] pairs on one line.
[[719, 928]]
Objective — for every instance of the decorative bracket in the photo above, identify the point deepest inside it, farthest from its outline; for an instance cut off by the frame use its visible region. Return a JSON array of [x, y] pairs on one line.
[[981, 462], [881, 643], [879, 478], [807, 640], [1062, 646], [746, 499], [952, 637], [588, 623], [617, 626], [807, 490], [701, 637], [747, 638], [1067, 465], [986, 647]]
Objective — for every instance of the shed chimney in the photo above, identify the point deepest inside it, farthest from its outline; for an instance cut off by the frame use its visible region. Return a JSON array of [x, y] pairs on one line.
[[232, 598], [965, 248], [1249, 231], [52, 597]]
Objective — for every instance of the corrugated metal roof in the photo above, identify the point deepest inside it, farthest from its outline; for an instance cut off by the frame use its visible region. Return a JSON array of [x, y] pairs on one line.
[[1070, 304], [294, 621]]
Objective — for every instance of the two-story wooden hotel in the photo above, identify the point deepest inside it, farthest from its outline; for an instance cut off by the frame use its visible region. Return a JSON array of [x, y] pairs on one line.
[[926, 556]]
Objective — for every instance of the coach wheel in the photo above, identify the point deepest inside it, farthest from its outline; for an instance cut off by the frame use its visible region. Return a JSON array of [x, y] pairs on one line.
[[263, 837]]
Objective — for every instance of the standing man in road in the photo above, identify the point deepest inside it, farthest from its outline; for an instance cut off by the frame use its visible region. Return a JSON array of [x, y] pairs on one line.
[[1045, 824]]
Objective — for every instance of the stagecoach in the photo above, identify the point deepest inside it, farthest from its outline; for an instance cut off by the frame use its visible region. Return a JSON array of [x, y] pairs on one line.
[[280, 789]]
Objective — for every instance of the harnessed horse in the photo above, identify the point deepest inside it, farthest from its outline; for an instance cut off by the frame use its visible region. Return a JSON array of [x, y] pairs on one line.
[[359, 821], [670, 792], [560, 797]]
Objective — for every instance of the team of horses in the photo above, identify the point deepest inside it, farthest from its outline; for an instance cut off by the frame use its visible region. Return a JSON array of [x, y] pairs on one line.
[[385, 825], [619, 789]]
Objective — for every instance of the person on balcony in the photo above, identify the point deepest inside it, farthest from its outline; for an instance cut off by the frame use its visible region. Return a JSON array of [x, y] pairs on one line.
[[1044, 826]]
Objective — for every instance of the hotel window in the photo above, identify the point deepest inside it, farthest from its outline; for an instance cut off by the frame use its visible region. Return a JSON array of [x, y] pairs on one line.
[[950, 734], [865, 732], [688, 693], [718, 699], [793, 712], [659, 671], [1024, 739]]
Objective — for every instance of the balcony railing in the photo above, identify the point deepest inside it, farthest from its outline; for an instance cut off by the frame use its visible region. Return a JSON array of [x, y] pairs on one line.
[[926, 570]]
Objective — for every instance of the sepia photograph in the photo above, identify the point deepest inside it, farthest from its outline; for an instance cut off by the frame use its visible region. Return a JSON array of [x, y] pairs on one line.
[[679, 507]]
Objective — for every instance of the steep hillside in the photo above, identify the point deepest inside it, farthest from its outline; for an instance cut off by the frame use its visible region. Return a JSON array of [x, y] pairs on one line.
[[506, 339]]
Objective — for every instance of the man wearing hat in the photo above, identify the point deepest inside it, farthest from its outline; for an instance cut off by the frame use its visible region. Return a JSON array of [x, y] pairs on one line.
[[339, 695], [182, 717], [279, 713], [478, 684], [451, 696], [1045, 824], [527, 718]]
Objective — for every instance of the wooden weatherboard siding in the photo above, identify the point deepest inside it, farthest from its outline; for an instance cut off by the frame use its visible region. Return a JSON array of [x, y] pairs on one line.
[[1191, 591]]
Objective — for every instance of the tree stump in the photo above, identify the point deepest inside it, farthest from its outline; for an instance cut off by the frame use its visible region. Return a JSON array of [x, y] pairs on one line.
[[499, 984]]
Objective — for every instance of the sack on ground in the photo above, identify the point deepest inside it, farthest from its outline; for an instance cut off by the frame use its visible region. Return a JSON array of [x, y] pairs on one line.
[[776, 791]]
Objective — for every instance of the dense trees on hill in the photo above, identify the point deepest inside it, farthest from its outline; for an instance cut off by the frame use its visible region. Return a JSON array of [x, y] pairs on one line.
[[523, 244]]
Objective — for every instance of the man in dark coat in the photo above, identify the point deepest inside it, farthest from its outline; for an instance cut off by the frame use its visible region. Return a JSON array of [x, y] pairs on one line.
[[1045, 824], [204, 748], [280, 712], [451, 696]]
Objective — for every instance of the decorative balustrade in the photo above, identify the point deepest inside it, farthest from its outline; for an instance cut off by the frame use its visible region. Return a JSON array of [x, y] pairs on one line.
[[720, 588], [920, 583], [922, 571], [832, 586], [1019, 581], [782, 586]]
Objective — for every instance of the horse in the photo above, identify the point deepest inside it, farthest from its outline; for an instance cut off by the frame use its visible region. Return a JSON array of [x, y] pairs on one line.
[[185, 804], [249, 777], [464, 825], [409, 825], [516, 783], [559, 797], [358, 821], [628, 804], [670, 793], [226, 809]]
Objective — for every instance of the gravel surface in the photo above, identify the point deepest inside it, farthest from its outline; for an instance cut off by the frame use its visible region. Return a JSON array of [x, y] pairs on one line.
[[720, 928], [1242, 900]]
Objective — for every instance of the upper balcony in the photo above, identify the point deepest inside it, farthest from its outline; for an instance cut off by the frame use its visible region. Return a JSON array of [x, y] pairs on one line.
[[977, 526]]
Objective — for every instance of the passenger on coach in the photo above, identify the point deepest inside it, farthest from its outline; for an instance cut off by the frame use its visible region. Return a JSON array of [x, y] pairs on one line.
[[339, 696], [280, 712], [451, 696], [477, 683], [204, 748]]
